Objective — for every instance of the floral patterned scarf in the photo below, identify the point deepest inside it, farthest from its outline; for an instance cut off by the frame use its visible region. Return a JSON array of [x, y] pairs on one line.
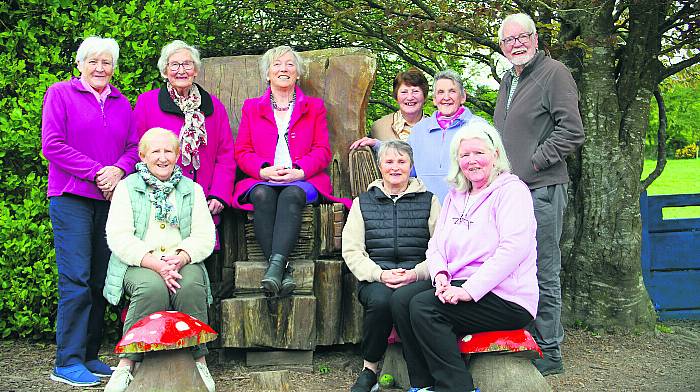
[[192, 134], [160, 191]]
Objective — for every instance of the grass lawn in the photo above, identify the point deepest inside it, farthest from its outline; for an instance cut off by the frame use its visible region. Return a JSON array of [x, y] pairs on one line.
[[679, 176]]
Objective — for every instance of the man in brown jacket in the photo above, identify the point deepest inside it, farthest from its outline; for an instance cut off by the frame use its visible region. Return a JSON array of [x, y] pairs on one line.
[[538, 117]]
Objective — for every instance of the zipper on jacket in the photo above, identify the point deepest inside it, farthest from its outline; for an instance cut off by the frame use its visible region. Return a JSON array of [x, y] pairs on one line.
[[396, 233], [102, 109]]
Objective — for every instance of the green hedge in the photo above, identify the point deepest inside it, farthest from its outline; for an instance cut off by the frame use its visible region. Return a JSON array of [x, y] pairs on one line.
[[39, 39]]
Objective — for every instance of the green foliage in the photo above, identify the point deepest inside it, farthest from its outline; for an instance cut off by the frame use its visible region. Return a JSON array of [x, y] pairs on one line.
[[39, 39], [688, 152], [662, 328]]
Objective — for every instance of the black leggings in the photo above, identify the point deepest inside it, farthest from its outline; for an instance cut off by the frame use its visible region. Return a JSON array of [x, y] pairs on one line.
[[277, 217]]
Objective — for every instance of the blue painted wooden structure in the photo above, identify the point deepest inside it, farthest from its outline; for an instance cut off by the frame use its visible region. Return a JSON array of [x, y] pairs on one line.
[[671, 257]]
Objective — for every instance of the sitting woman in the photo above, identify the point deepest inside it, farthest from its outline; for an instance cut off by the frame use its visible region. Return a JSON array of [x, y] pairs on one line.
[[282, 149], [159, 230], [410, 91], [384, 244], [481, 260]]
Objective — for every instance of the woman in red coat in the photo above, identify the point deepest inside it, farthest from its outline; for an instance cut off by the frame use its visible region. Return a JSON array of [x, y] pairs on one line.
[[282, 148]]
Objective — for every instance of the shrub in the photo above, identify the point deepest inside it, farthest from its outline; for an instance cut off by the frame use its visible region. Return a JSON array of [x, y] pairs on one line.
[[39, 39], [688, 152]]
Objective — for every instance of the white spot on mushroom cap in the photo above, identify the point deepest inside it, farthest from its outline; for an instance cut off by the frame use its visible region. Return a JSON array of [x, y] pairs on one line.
[[197, 324], [172, 311], [152, 332], [182, 326], [156, 316], [467, 338], [129, 336]]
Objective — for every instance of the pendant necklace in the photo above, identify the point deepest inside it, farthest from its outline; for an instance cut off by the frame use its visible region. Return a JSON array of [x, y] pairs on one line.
[[463, 217]]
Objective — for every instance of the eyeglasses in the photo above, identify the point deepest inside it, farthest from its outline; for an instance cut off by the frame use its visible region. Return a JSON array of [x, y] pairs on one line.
[[104, 63], [187, 65], [522, 38]]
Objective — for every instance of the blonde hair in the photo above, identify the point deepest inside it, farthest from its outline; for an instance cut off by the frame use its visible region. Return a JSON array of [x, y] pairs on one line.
[[273, 54], [476, 129], [153, 133]]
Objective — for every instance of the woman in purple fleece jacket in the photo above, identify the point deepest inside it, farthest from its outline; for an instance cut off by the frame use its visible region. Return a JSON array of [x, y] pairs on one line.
[[90, 141], [481, 259]]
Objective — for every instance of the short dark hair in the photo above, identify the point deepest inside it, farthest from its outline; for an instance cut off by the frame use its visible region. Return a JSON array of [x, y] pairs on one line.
[[411, 77]]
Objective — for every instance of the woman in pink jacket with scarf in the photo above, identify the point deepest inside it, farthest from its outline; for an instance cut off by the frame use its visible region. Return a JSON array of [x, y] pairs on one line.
[[482, 261], [198, 118], [282, 149]]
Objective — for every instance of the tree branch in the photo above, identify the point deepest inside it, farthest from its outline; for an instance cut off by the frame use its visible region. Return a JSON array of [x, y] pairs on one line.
[[675, 68], [661, 144], [384, 103]]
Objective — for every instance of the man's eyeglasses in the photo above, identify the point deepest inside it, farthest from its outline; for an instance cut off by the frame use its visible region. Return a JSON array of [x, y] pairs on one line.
[[522, 38], [187, 65]]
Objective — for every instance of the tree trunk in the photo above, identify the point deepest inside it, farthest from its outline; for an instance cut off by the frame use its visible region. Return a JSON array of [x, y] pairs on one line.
[[601, 245]]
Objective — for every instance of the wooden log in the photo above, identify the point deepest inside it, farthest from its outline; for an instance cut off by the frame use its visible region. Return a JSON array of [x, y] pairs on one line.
[[353, 313], [395, 365], [363, 170], [276, 358], [329, 303], [248, 275], [506, 372], [168, 370], [257, 321], [272, 381]]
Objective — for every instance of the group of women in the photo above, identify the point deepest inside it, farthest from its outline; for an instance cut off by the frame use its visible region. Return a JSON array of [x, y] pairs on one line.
[[135, 197]]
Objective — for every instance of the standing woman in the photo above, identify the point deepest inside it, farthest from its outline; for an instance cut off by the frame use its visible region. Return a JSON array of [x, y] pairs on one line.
[[282, 148], [198, 118], [89, 139]]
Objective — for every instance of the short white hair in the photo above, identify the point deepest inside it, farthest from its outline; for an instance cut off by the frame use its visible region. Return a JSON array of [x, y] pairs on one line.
[[476, 129], [170, 49], [97, 45], [523, 20], [273, 54], [449, 74]]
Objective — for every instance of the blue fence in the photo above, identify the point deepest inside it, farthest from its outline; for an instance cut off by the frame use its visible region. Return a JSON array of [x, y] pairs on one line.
[[671, 257]]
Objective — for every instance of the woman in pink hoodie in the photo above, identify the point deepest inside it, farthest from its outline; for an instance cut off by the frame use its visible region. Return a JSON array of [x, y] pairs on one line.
[[481, 259]]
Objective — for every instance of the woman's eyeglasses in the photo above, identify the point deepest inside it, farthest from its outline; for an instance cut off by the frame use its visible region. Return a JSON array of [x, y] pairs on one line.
[[187, 65]]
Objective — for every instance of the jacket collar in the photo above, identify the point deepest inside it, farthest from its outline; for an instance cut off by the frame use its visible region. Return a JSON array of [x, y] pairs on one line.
[[463, 118], [141, 186], [167, 105], [301, 106], [77, 84]]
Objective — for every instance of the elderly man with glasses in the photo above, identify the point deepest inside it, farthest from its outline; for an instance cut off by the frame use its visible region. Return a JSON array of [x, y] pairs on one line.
[[538, 117]]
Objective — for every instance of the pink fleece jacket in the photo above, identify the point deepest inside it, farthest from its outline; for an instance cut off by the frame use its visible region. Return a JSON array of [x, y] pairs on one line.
[[496, 250]]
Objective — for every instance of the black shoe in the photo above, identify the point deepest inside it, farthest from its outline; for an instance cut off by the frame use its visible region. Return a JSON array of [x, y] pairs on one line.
[[366, 382], [288, 284], [548, 366], [272, 281]]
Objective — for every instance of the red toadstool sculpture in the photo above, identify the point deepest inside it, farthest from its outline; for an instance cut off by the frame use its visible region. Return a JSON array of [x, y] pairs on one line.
[[168, 364]]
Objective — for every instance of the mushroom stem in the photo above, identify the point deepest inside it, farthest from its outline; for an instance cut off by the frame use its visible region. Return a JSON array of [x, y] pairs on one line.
[[167, 370]]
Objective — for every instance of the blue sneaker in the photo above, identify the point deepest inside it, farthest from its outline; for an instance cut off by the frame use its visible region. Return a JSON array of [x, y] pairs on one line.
[[76, 375], [98, 368], [425, 389]]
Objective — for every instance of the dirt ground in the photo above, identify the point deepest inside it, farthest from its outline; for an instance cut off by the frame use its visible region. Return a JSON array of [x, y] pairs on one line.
[[667, 360]]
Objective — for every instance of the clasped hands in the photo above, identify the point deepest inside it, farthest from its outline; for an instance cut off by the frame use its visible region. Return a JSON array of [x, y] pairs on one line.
[[448, 294], [168, 267], [397, 277], [107, 178], [281, 174]]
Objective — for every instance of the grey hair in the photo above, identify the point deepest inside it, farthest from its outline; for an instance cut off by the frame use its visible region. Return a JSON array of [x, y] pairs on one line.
[[450, 75], [170, 49], [399, 146], [97, 45], [476, 129], [523, 20], [273, 54]]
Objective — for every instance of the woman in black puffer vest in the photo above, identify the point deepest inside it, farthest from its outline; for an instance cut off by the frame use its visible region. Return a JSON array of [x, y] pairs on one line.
[[384, 244]]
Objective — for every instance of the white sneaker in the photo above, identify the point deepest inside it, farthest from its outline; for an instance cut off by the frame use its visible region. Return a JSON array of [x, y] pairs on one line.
[[121, 377], [206, 377]]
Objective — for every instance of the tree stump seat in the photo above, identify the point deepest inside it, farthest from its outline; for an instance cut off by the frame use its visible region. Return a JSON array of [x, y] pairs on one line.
[[497, 360]]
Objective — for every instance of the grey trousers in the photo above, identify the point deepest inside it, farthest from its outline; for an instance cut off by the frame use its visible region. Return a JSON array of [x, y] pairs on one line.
[[549, 203], [149, 294]]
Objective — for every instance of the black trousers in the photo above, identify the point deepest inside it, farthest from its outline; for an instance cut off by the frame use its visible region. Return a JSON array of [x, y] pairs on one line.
[[277, 217], [429, 329], [376, 299]]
